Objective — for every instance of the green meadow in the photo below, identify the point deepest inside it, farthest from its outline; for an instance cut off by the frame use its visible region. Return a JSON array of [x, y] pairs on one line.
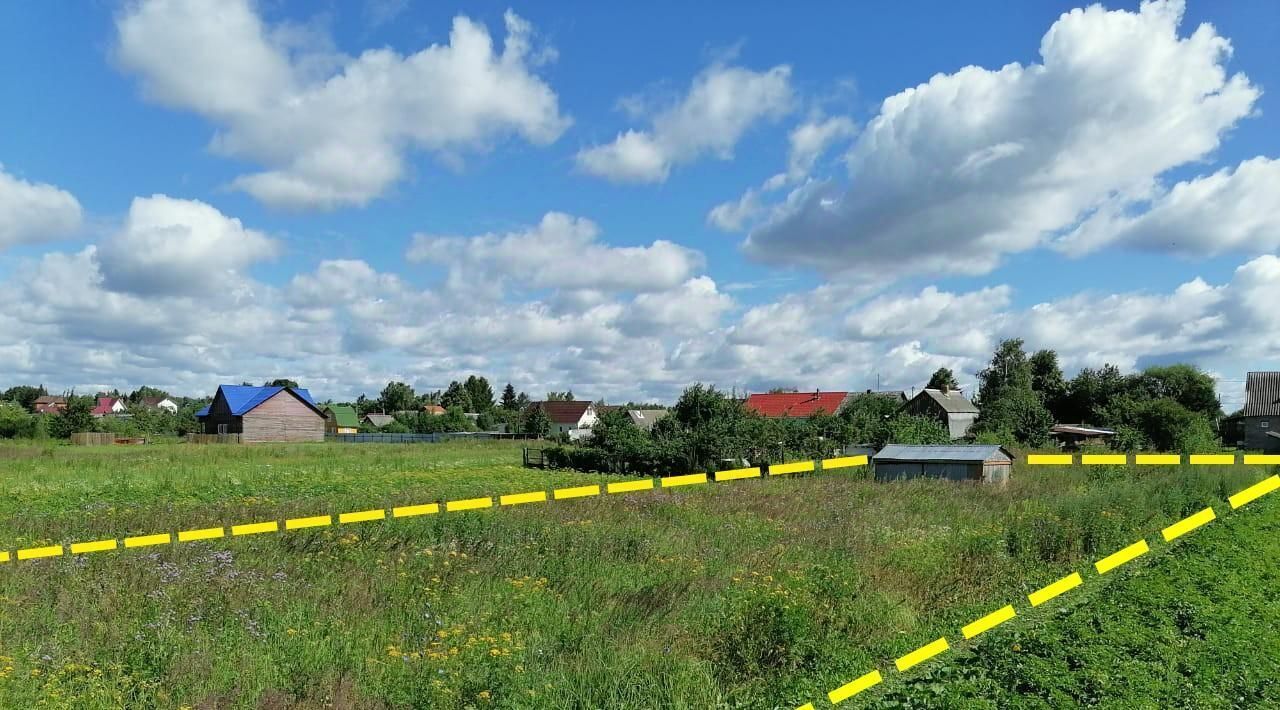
[[750, 594]]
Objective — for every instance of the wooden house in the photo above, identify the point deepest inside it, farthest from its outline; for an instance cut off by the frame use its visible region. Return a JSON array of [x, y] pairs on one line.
[[260, 414], [341, 419], [796, 405], [49, 404], [1257, 426], [948, 407]]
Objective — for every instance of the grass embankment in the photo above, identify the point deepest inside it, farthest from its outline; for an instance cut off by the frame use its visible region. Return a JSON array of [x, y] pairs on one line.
[[762, 593]]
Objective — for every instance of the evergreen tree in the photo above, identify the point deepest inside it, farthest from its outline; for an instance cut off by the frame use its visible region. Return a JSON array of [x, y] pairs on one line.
[[479, 393], [943, 379], [508, 397], [456, 395]]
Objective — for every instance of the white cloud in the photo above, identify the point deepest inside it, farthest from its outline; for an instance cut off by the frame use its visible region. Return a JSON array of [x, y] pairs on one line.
[[334, 130], [956, 172], [1230, 210], [723, 102], [561, 252], [695, 308], [810, 140], [34, 212], [170, 245]]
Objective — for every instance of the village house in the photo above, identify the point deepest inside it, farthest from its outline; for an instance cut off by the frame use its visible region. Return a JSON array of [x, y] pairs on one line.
[[796, 405], [434, 410], [49, 404], [260, 414], [377, 420], [160, 403], [109, 406], [987, 463], [646, 418], [574, 418], [948, 407], [341, 419], [1257, 426]]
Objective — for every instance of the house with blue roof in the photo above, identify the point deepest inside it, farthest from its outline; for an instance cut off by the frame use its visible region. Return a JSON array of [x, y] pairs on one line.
[[260, 414]]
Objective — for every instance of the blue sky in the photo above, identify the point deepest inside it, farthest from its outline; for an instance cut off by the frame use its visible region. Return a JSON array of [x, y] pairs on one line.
[[1070, 200]]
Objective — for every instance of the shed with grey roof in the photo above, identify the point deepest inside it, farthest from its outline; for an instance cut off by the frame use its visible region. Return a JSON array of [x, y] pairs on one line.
[[986, 463], [1257, 426]]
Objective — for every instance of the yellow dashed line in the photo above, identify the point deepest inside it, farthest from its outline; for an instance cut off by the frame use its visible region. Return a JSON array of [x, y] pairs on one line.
[[78, 548], [4, 557], [576, 492], [989, 621], [1261, 459], [316, 521], [1212, 459], [202, 534], [147, 540], [1114, 560], [630, 486], [779, 469], [1157, 459], [1049, 459], [737, 474], [518, 498], [844, 462], [1044, 594], [1187, 524], [35, 553], [468, 504], [691, 479], [362, 516], [922, 654], [1254, 492], [1092, 459], [255, 528], [852, 688], [408, 511]]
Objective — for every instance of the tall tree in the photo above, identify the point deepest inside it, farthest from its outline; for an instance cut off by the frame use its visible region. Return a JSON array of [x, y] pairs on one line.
[[144, 392], [397, 397], [281, 382], [456, 395], [1091, 393], [26, 395], [536, 422], [479, 393], [566, 396], [508, 397], [1048, 382], [943, 379], [1009, 370]]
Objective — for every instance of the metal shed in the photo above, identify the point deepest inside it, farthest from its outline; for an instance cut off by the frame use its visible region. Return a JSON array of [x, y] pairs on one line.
[[988, 463]]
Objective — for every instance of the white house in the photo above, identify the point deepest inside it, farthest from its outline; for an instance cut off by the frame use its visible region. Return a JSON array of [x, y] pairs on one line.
[[164, 403], [575, 418]]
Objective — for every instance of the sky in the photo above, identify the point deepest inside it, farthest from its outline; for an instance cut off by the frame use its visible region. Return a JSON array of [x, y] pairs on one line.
[[624, 200]]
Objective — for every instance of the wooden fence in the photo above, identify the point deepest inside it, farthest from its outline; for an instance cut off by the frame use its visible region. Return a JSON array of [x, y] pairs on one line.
[[392, 438], [213, 439], [533, 458], [99, 438]]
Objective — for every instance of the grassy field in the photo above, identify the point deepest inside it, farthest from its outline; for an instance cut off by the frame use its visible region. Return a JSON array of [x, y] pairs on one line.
[[753, 594]]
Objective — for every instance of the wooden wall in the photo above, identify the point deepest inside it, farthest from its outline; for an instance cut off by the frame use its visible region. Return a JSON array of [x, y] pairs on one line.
[[283, 417]]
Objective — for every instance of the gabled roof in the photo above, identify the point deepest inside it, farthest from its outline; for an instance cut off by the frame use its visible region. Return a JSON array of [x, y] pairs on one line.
[[796, 404], [155, 401], [344, 415], [951, 452], [951, 401], [242, 399], [379, 419], [646, 418], [565, 412], [50, 399], [106, 405], [434, 409], [1262, 394]]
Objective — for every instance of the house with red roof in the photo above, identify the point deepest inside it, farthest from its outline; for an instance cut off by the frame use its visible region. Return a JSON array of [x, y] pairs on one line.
[[574, 417], [796, 405], [109, 406]]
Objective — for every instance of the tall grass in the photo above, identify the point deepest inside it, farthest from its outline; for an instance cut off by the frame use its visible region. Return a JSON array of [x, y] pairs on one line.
[[760, 593]]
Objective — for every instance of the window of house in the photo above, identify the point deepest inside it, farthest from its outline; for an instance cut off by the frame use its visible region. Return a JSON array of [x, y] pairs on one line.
[[222, 429], [1265, 423]]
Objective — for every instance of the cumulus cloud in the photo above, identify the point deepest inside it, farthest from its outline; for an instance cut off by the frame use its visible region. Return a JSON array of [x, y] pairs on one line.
[[972, 165], [561, 252], [808, 142], [34, 211], [169, 245], [1230, 210], [722, 103], [334, 130]]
